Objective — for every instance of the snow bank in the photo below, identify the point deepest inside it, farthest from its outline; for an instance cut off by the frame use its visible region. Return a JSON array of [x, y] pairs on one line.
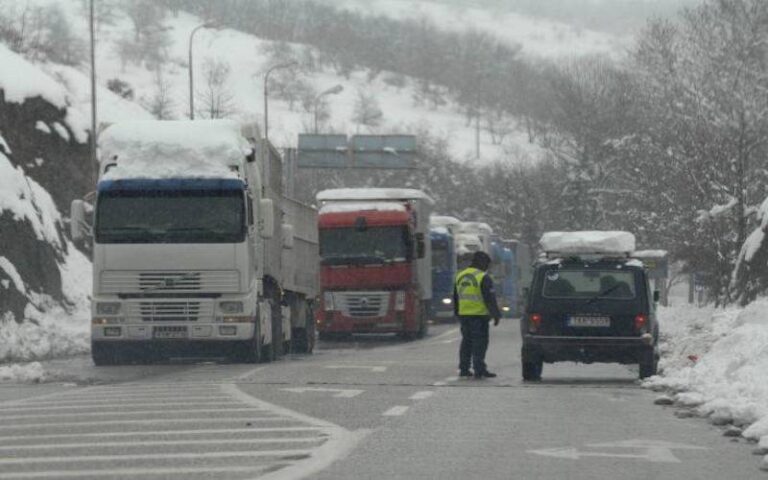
[[650, 254], [716, 361], [20, 80], [341, 194], [50, 330], [26, 373], [359, 206], [588, 242], [161, 149], [27, 200]]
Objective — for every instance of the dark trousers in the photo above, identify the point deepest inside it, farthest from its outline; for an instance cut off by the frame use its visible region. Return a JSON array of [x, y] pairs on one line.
[[474, 343]]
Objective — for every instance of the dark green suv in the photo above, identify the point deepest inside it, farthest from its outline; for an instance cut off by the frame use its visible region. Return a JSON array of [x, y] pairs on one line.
[[590, 310]]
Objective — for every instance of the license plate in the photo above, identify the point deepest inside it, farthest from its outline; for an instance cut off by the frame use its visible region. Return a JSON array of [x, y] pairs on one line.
[[589, 321], [169, 332]]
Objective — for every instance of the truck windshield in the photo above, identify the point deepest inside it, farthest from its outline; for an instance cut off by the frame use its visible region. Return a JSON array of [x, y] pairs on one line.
[[441, 256], [170, 217], [340, 246], [589, 284]]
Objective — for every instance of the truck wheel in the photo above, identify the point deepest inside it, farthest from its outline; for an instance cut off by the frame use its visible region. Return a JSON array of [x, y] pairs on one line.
[[303, 340], [649, 363], [423, 323], [532, 370]]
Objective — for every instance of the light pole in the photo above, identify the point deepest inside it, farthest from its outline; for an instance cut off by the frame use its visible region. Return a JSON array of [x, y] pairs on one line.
[[331, 91], [191, 68], [94, 129], [266, 93]]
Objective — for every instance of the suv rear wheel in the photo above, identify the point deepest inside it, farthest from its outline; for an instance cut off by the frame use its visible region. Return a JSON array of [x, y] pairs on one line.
[[649, 363], [532, 370]]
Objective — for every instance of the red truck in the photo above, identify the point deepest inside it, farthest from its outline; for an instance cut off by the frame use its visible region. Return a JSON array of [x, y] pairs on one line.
[[375, 271]]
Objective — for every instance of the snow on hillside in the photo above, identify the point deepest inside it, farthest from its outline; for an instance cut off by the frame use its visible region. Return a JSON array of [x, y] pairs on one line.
[[247, 56], [537, 36], [716, 363]]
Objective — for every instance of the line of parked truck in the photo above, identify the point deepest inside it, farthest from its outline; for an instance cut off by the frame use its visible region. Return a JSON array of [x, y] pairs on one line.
[[197, 249]]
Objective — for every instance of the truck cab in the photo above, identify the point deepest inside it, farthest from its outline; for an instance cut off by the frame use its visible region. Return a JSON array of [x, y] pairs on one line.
[[375, 262]]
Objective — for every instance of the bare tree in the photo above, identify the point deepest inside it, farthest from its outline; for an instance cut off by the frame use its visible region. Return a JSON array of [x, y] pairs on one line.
[[162, 104], [367, 111], [216, 97]]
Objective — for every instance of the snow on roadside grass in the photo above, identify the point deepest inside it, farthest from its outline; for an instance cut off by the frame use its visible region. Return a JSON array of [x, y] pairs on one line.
[[716, 361], [22, 373]]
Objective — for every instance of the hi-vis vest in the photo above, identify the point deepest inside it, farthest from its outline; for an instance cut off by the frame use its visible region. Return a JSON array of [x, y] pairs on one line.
[[469, 292]]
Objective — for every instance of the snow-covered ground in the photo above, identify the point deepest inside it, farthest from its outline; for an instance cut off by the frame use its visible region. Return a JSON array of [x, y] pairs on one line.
[[715, 362], [537, 37]]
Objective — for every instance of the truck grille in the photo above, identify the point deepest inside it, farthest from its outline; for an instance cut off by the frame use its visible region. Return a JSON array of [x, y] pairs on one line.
[[362, 304], [170, 311], [224, 281]]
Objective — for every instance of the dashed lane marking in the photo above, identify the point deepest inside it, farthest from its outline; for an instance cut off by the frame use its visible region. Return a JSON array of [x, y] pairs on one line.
[[155, 456], [160, 443], [128, 414], [159, 433], [396, 411], [422, 395], [372, 368], [31, 426], [337, 392]]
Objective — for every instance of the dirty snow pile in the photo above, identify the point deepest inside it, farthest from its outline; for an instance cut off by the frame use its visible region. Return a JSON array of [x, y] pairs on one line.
[[716, 362], [26, 373]]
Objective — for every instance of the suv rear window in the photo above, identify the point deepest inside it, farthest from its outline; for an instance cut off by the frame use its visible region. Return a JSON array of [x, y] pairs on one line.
[[589, 284]]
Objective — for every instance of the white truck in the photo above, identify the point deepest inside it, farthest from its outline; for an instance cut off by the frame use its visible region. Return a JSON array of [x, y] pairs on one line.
[[196, 250]]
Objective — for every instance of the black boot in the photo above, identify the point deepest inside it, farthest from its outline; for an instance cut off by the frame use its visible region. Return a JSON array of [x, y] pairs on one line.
[[485, 374]]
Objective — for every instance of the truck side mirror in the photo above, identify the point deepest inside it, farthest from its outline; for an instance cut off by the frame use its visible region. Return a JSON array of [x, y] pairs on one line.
[[78, 226], [266, 218], [421, 246], [656, 296], [288, 236]]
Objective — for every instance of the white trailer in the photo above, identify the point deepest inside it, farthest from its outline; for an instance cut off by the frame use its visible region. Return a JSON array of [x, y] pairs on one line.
[[196, 249]]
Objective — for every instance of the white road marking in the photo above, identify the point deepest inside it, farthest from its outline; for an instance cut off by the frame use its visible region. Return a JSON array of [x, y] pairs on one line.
[[422, 395], [154, 456], [452, 379], [445, 382], [445, 334], [249, 373], [110, 406], [126, 414], [163, 433], [452, 340], [30, 426], [440, 384], [372, 368], [158, 443], [396, 411], [654, 451], [338, 392], [134, 471]]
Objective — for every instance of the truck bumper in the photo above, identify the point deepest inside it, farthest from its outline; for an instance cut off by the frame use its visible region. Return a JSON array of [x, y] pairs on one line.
[[550, 349], [173, 333]]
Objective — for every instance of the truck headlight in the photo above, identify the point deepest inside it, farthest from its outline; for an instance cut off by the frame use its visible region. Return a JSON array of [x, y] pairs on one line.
[[231, 307], [107, 308], [400, 300], [447, 301], [328, 302]]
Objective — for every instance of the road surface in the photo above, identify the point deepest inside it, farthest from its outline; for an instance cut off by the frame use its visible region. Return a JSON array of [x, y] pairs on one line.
[[369, 407]]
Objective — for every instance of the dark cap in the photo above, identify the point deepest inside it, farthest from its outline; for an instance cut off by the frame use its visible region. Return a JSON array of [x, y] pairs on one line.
[[481, 260]]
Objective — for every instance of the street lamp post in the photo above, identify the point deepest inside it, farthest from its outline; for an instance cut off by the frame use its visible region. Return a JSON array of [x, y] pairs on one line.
[[266, 93], [94, 128], [331, 91], [191, 68]]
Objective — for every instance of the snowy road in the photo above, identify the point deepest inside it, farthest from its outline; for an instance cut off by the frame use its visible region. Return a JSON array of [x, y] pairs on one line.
[[371, 407]]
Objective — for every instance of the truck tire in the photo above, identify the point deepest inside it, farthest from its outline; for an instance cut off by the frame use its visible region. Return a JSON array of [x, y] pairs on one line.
[[423, 323], [649, 363], [248, 351]]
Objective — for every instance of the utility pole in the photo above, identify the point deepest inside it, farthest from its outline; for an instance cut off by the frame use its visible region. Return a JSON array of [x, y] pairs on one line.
[[191, 68], [94, 120], [266, 94], [331, 91], [477, 136]]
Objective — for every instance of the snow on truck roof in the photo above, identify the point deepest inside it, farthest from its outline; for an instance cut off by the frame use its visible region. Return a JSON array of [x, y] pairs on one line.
[[343, 207], [342, 194], [475, 227], [443, 221], [162, 149], [588, 242]]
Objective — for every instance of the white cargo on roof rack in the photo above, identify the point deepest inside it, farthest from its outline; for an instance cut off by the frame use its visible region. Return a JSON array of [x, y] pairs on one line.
[[588, 243]]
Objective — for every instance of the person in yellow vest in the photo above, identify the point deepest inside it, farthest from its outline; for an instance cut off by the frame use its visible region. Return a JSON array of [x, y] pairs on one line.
[[474, 301]]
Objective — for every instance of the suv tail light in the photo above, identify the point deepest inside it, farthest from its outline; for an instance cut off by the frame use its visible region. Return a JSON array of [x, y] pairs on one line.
[[641, 322], [534, 322]]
